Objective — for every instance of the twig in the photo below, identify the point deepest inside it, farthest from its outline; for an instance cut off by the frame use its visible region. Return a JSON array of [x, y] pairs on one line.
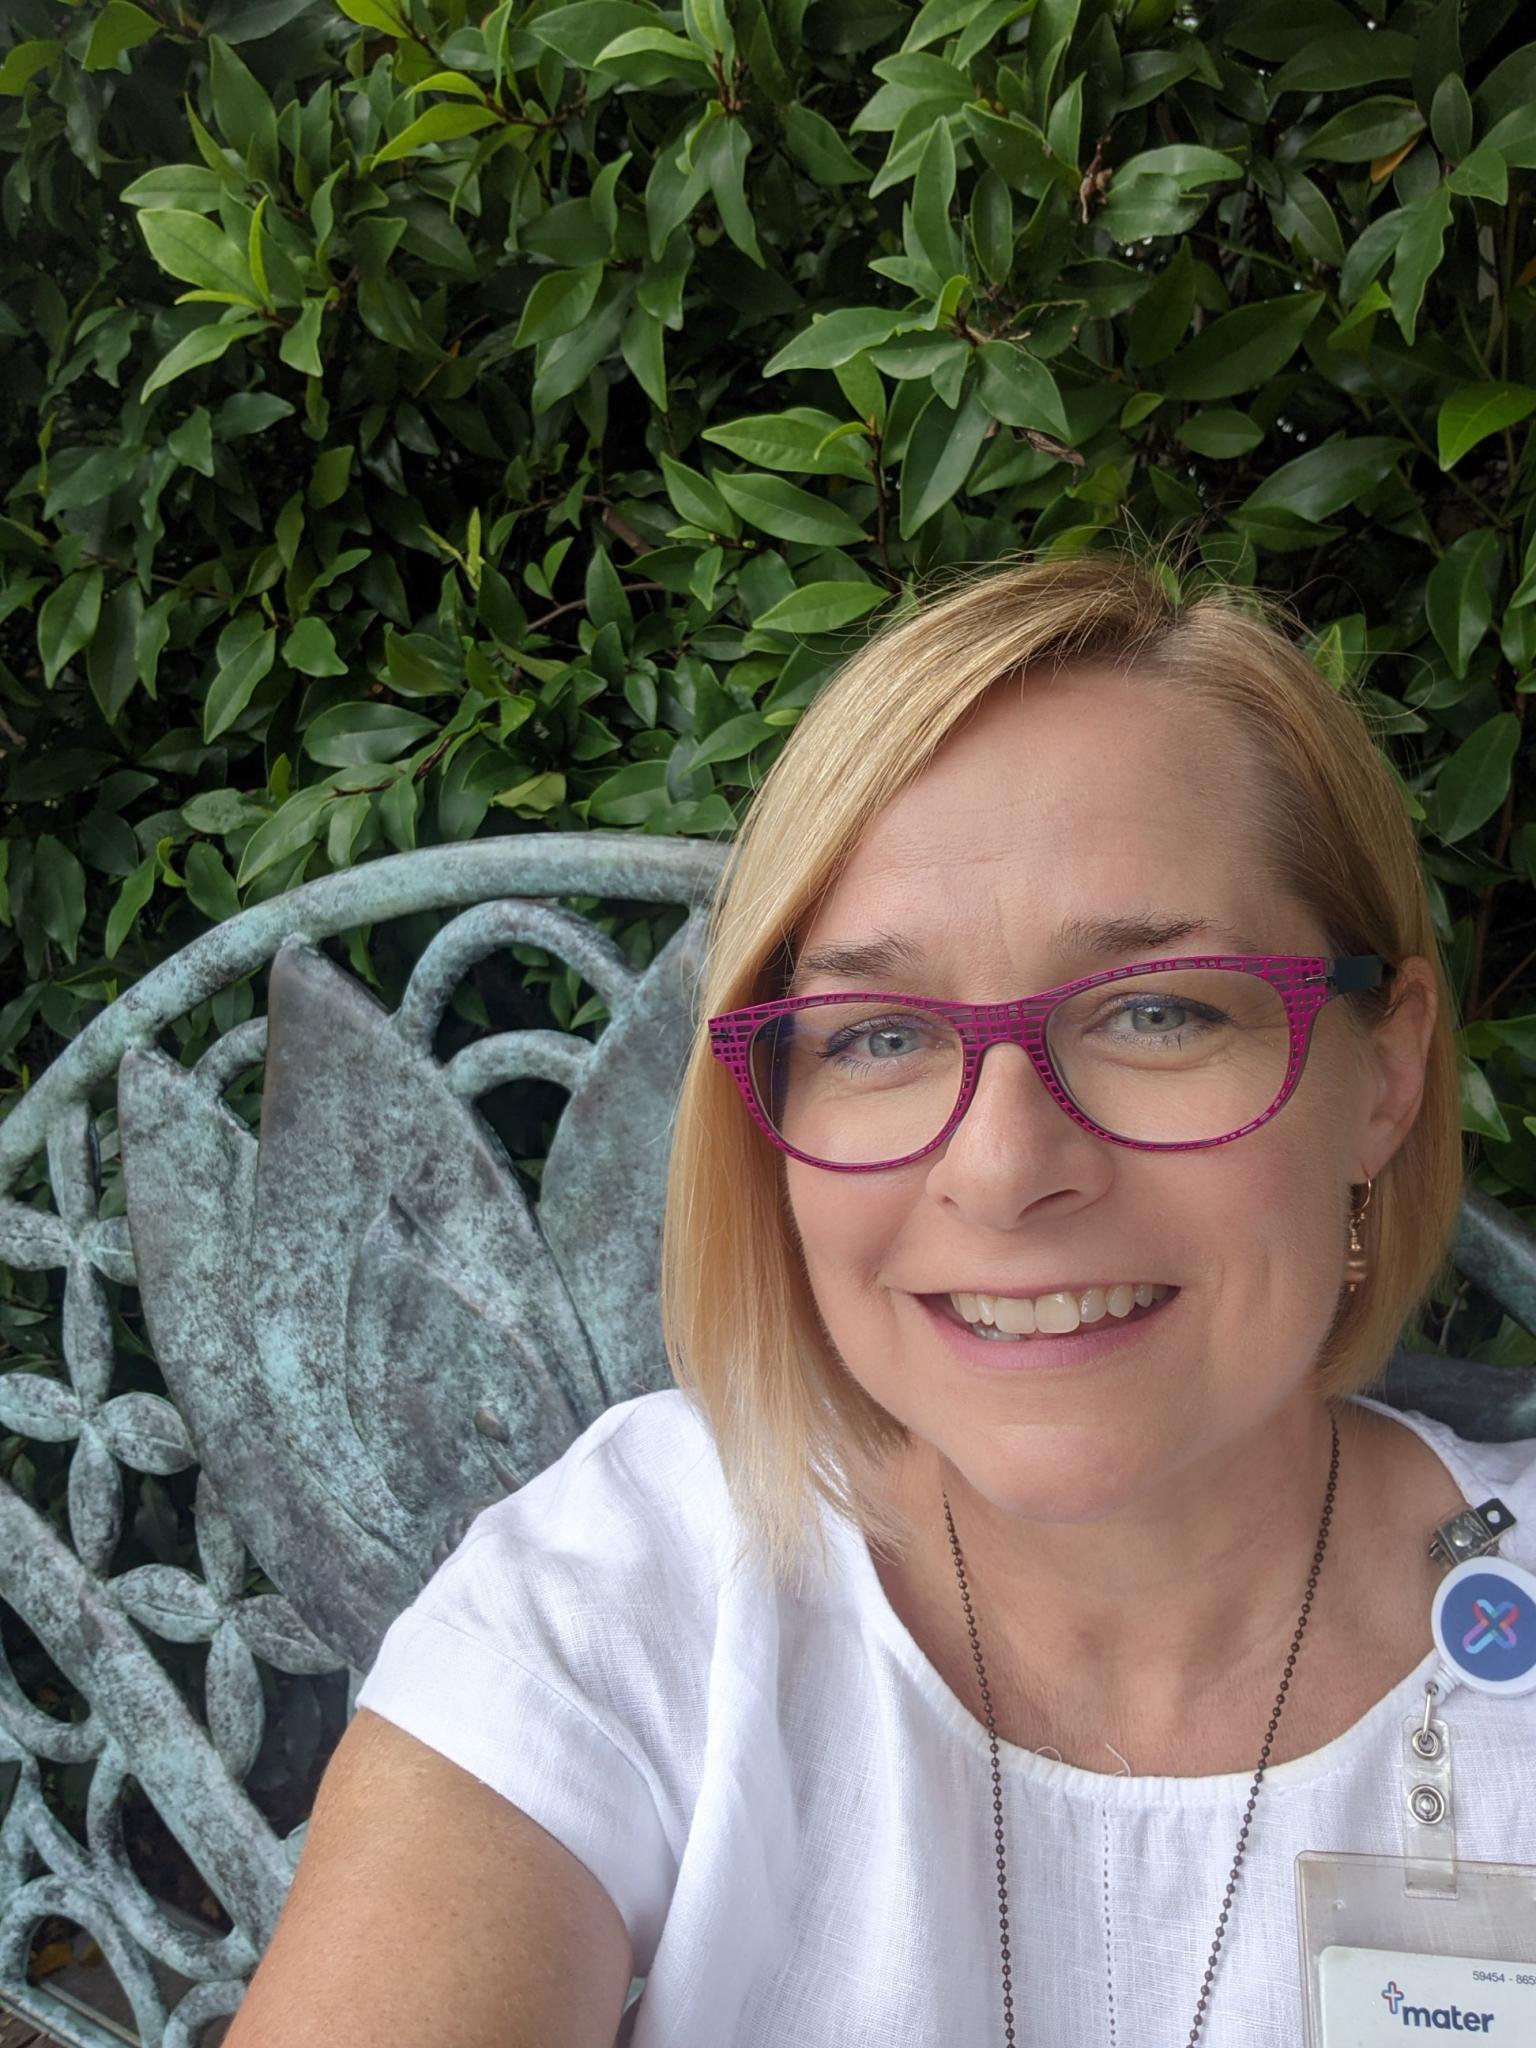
[[576, 604]]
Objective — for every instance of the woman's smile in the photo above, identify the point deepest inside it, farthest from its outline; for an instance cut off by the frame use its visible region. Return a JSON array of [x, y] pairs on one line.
[[994, 1349]]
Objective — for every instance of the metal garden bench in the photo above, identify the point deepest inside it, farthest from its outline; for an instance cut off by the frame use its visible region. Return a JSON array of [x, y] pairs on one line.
[[366, 1332]]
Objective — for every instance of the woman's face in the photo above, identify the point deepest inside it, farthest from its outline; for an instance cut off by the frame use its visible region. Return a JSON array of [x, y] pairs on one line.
[[1087, 795]]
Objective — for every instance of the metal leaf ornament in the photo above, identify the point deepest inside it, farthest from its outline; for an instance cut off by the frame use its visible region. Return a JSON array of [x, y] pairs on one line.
[[368, 1331]]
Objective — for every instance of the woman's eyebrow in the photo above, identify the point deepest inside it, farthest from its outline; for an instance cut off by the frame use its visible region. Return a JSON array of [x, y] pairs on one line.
[[887, 956]]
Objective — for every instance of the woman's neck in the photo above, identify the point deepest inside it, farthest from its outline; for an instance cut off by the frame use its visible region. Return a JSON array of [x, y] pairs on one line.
[[1158, 1633]]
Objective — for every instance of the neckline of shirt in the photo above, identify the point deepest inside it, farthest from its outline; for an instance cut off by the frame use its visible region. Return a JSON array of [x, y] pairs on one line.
[[1071, 1781]]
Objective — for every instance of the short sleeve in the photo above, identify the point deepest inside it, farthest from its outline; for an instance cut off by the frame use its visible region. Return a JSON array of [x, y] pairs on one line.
[[542, 1658]]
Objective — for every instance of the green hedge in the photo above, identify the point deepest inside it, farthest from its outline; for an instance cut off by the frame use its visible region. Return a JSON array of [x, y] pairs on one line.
[[422, 421]]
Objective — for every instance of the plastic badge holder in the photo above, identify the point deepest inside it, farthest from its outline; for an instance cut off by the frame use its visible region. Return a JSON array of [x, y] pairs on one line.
[[1384, 1963]]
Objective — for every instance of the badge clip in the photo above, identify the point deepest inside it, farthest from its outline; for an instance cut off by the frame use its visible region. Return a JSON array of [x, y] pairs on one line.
[[1474, 1532]]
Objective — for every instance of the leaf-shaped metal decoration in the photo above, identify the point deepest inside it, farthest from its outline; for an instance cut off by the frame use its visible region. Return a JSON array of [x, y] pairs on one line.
[[190, 1176], [365, 1150], [603, 1184], [425, 1354]]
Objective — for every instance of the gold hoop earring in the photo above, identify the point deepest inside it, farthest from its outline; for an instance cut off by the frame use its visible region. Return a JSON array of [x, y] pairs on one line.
[[1356, 1268]]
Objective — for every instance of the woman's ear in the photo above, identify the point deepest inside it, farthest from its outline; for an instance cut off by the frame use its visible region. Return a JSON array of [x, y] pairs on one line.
[[1398, 1050]]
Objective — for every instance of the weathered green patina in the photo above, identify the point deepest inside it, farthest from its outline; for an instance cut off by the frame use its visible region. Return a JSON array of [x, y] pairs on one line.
[[366, 1333]]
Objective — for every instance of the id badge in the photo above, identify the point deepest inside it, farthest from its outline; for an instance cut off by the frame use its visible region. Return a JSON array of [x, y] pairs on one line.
[[1384, 1963]]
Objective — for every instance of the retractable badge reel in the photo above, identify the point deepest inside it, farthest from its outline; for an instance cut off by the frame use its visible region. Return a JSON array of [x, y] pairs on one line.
[[1424, 1942]]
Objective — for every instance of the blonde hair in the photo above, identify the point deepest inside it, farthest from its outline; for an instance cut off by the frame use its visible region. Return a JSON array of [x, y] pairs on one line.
[[743, 1334]]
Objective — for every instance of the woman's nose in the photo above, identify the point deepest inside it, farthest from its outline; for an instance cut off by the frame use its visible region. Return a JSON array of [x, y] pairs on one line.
[[1013, 1146]]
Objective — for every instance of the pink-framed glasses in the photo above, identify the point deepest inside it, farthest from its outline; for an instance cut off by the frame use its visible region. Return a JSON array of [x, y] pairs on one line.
[[1164, 1056]]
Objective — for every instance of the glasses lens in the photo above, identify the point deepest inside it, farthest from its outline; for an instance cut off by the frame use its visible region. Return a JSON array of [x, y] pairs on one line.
[[857, 1084], [1165, 1059], [1173, 1058]]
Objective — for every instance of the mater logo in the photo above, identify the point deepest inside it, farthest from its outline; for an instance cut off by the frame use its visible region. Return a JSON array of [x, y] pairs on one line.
[[1447, 2019]]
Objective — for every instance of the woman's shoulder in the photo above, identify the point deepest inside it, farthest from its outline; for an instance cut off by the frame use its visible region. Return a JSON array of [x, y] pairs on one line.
[[1483, 1470], [640, 1487]]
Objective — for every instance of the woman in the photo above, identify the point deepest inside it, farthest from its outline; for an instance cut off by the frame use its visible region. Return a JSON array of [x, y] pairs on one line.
[[1015, 1585]]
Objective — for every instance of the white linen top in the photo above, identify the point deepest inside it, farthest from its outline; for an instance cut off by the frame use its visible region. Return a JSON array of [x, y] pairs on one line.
[[793, 1813]]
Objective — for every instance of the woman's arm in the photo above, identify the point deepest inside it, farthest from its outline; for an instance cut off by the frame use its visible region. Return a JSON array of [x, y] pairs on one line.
[[427, 1908]]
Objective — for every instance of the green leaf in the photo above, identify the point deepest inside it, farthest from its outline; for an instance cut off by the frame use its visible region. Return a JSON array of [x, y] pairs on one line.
[[933, 191], [1149, 208], [1458, 598], [1188, 164], [131, 899], [1474, 781], [188, 246], [296, 825], [332, 474], [1241, 349], [190, 188], [450, 81], [236, 682], [1482, 175], [26, 61], [535, 797], [559, 302], [653, 56], [58, 891], [67, 620], [1161, 316], [580, 32], [1514, 137], [1475, 411], [1480, 1110], [1019, 390], [311, 649], [992, 226], [820, 607], [697, 500], [943, 445], [1368, 253], [834, 338], [707, 24], [1369, 129], [209, 883], [220, 811], [1326, 479], [642, 344], [358, 735], [797, 440], [722, 156], [192, 442], [818, 147], [566, 362], [1221, 433], [442, 123], [733, 739], [202, 345], [1017, 151], [1304, 217], [775, 506], [1419, 250], [153, 633], [1450, 118], [300, 345], [373, 14], [1340, 63], [120, 26], [112, 660]]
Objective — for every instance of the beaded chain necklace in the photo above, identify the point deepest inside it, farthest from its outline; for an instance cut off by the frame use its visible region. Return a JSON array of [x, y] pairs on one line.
[[1202, 2006]]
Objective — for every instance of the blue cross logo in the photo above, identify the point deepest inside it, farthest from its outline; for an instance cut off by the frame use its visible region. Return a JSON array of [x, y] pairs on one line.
[[1393, 1996]]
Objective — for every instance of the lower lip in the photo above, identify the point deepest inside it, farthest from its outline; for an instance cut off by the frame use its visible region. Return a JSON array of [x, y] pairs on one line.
[[1082, 1346]]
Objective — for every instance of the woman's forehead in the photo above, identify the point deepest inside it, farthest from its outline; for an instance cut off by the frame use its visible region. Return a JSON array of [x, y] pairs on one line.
[[1044, 821]]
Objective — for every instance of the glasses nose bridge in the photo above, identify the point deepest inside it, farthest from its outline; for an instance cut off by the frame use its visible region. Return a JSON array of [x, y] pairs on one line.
[[1020, 1022]]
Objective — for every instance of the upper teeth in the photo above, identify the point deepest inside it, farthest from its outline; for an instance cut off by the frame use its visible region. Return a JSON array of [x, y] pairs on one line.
[[1057, 1314]]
